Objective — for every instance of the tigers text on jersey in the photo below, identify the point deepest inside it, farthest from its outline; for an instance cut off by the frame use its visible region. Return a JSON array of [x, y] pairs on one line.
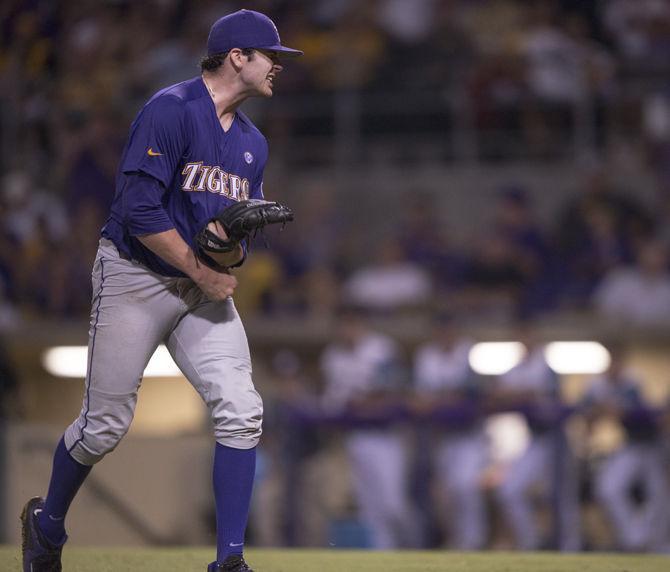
[[180, 168]]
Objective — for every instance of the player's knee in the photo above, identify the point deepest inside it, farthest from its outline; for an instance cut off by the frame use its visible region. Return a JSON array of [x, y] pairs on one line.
[[93, 449], [241, 438], [93, 441], [242, 428]]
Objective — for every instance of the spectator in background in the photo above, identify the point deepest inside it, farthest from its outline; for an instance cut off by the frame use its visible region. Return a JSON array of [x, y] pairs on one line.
[[356, 28], [427, 242], [596, 231], [45, 256], [513, 218], [605, 247], [632, 219], [639, 30], [29, 209], [389, 281], [46, 253], [407, 23], [515, 222], [94, 149], [28, 46], [639, 295], [565, 71], [554, 75], [532, 388], [310, 284], [413, 29], [497, 85], [617, 396], [9, 315], [363, 386], [171, 60], [447, 397], [434, 27], [494, 279], [497, 90]]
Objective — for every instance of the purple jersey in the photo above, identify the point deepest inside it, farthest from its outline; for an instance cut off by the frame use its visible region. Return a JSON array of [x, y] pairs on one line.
[[180, 168]]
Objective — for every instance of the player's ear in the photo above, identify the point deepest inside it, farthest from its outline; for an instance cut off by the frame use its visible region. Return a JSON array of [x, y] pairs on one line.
[[237, 58]]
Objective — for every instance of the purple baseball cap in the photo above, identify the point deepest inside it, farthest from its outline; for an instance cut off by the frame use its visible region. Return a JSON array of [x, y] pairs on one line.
[[246, 29]]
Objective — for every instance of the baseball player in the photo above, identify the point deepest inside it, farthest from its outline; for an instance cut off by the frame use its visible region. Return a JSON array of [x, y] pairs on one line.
[[360, 369], [447, 395], [189, 155], [533, 388], [617, 394]]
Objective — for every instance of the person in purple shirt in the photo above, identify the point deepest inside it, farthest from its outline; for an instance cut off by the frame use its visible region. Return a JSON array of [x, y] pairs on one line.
[[190, 154]]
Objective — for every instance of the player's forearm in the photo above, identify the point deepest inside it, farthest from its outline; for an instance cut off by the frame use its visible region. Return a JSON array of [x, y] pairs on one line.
[[172, 248]]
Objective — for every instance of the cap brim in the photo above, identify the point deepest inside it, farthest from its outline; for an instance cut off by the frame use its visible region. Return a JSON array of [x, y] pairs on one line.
[[283, 51]]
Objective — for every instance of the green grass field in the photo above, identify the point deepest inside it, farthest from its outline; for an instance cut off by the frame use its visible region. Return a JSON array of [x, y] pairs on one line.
[[266, 560]]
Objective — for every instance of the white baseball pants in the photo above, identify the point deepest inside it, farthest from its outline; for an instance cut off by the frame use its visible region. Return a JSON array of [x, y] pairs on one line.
[[133, 311]]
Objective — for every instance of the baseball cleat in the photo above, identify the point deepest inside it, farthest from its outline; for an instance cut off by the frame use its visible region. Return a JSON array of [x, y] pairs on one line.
[[39, 555], [234, 563]]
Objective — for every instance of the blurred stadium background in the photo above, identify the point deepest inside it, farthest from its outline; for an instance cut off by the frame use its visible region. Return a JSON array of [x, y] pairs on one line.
[[502, 162]]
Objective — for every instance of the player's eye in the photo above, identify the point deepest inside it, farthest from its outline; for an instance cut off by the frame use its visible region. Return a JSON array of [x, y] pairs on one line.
[[271, 55]]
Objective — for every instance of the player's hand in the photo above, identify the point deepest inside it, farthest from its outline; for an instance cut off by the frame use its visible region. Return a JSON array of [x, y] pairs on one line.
[[214, 284]]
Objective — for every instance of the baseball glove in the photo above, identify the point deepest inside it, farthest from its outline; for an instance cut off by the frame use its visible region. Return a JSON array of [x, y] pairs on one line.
[[240, 221]]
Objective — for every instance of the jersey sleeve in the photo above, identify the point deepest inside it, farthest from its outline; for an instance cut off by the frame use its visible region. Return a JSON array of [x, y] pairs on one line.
[[158, 139], [142, 207]]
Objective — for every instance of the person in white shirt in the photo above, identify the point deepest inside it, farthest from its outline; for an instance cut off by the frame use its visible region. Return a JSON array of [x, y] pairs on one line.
[[447, 395], [532, 388], [364, 387], [617, 395], [639, 295], [389, 281]]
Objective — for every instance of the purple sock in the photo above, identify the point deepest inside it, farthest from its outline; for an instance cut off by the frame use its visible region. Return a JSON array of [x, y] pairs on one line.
[[67, 476], [233, 480]]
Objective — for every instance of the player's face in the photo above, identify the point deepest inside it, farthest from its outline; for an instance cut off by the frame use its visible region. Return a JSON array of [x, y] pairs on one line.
[[261, 70]]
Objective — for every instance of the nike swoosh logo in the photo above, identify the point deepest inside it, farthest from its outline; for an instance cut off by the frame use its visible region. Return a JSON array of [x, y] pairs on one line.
[[153, 153], [56, 518], [238, 544]]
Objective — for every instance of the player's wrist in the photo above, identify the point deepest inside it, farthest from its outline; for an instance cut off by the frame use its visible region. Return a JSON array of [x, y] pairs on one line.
[[223, 261]]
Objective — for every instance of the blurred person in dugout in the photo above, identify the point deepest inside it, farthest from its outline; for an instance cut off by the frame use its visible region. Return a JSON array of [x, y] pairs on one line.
[[447, 398], [363, 390], [290, 409], [547, 465], [631, 482]]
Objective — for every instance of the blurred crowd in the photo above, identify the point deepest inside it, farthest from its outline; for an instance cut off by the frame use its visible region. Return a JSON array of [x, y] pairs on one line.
[[383, 448], [73, 74]]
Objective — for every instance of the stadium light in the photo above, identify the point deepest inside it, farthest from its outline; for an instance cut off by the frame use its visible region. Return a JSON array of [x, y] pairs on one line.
[[577, 357], [495, 358], [70, 361]]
